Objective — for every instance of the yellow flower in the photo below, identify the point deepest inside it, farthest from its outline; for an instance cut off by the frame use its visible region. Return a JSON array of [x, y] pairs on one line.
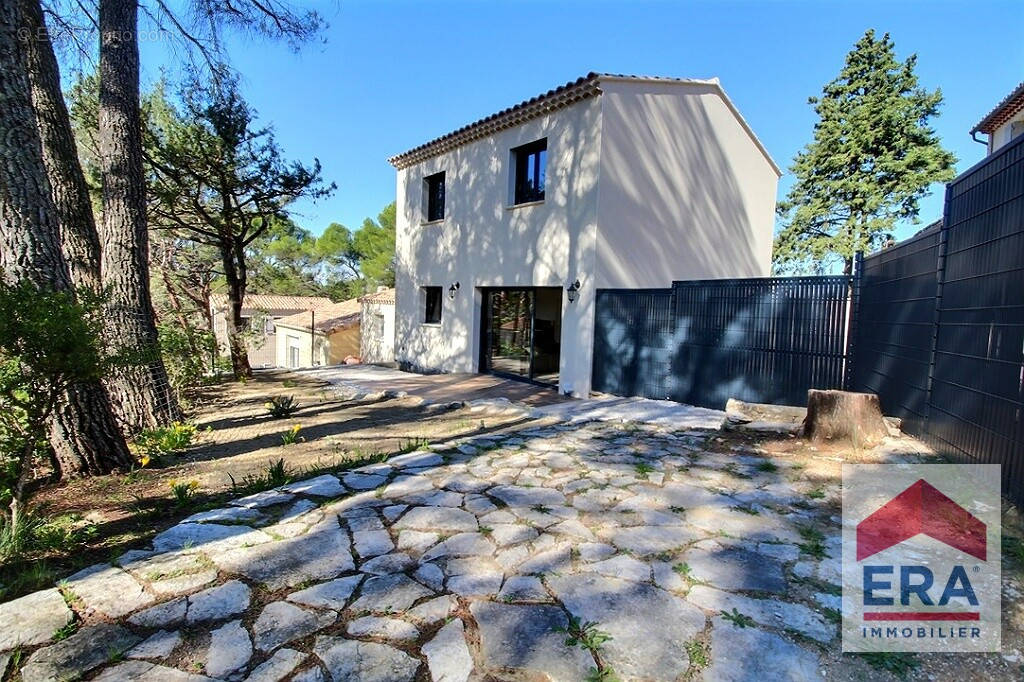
[[144, 460], [295, 429]]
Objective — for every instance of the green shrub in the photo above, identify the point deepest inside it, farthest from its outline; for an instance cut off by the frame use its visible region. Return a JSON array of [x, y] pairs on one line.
[[152, 444], [183, 491], [188, 354], [277, 474], [282, 406], [291, 436], [49, 340]]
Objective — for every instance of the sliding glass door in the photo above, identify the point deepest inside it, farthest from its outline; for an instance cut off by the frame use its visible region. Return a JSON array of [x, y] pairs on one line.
[[521, 332]]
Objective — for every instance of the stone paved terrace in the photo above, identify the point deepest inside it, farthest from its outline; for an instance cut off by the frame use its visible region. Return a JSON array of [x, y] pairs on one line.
[[467, 561]]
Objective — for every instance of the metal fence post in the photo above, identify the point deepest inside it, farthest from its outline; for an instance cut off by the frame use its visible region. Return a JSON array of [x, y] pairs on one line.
[[852, 317], [940, 280]]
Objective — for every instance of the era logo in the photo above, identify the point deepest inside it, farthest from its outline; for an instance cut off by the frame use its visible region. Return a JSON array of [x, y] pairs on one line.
[[916, 580], [920, 509], [920, 557]]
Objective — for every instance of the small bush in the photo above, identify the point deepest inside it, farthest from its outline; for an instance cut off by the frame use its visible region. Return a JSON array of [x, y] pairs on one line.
[[291, 436], [282, 406], [188, 354], [183, 491], [277, 474], [152, 444]]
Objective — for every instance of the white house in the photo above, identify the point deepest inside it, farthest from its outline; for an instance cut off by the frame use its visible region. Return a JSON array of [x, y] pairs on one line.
[[1005, 122], [507, 227]]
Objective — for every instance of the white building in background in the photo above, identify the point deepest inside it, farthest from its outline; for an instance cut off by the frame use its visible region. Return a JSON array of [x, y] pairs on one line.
[[326, 335], [507, 227], [1005, 122], [377, 334], [259, 315]]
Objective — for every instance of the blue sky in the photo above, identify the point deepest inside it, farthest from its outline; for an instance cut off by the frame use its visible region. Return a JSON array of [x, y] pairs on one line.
[[391, 75]]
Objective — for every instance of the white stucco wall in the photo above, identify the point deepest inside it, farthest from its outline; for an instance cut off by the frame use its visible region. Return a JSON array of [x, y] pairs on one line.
[[685, 192], [483, 242], [377, 344], [287, 336]]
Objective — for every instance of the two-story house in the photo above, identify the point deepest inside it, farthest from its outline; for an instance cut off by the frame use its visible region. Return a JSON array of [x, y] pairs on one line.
[[507, 227]]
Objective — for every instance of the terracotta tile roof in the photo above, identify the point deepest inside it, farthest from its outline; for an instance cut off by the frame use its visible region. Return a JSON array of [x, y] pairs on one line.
[[563, 96], [387, 296], [272, 302], [328, 318], [1011, 105]]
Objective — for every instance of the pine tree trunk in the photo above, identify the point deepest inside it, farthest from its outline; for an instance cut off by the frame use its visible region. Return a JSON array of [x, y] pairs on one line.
[[88, 440], [83, 431], [233, 259], [79, 240], [142, 395]]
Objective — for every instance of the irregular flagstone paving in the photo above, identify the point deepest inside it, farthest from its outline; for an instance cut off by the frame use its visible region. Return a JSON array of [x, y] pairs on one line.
[[467, 560]]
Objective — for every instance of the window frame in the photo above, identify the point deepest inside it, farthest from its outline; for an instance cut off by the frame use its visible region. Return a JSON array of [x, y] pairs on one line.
[[430, 198], [526, 158], [428, 292]]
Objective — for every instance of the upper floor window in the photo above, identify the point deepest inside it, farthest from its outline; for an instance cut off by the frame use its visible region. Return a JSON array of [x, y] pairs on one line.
[[433, 185], [530, 160]]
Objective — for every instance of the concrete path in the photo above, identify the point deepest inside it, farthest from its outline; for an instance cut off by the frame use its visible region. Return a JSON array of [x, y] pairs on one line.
[[535, 401], [468, 560]]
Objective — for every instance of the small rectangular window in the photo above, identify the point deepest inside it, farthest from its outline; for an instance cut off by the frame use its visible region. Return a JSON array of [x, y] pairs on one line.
[[432, 305], [530, 160], [434, 187]]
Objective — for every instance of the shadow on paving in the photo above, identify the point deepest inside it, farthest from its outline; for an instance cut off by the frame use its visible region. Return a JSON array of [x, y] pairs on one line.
[[671, 543]]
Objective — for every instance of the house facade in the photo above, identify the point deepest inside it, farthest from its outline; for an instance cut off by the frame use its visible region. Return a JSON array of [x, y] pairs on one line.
[[377, 327], [259, 315], [1005, 122], [325, 335], [507, 228]]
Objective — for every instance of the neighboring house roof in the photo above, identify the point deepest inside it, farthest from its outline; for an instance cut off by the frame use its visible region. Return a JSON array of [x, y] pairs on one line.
[[326, 319], [386, 297], [552, 100], [271, 302], [1011, 105]]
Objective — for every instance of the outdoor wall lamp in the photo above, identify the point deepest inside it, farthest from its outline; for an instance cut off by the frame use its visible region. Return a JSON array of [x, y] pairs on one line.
[[572, 290], [452, 289]]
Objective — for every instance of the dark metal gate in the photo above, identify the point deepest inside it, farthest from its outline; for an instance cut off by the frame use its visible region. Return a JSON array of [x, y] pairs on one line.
[[764, 340], [702, 342]]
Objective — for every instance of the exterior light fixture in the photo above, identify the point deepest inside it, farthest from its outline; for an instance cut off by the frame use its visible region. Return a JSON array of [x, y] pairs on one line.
[[452, 289], [572, 290]]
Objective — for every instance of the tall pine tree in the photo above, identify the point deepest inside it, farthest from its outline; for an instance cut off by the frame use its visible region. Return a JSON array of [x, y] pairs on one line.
[[873, 158]]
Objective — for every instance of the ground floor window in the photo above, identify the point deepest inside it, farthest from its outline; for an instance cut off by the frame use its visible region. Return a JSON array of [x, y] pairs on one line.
[[432, 305]]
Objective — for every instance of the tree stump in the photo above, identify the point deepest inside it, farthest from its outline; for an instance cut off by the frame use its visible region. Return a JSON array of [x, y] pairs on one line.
[[855, 418]]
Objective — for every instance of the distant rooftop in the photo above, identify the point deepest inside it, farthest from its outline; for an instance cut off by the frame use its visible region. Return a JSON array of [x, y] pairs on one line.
[[385, 296], [326, 319], [1011, 105], [272, 302]]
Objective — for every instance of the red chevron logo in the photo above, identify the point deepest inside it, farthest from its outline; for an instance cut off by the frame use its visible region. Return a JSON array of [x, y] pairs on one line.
[[921, 508]]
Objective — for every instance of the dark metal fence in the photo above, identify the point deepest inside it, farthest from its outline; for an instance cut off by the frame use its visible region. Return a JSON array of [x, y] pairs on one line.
[[703, 342], [895, 326], [977, 383], [762, 340], [936, 330], [633, 341]]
